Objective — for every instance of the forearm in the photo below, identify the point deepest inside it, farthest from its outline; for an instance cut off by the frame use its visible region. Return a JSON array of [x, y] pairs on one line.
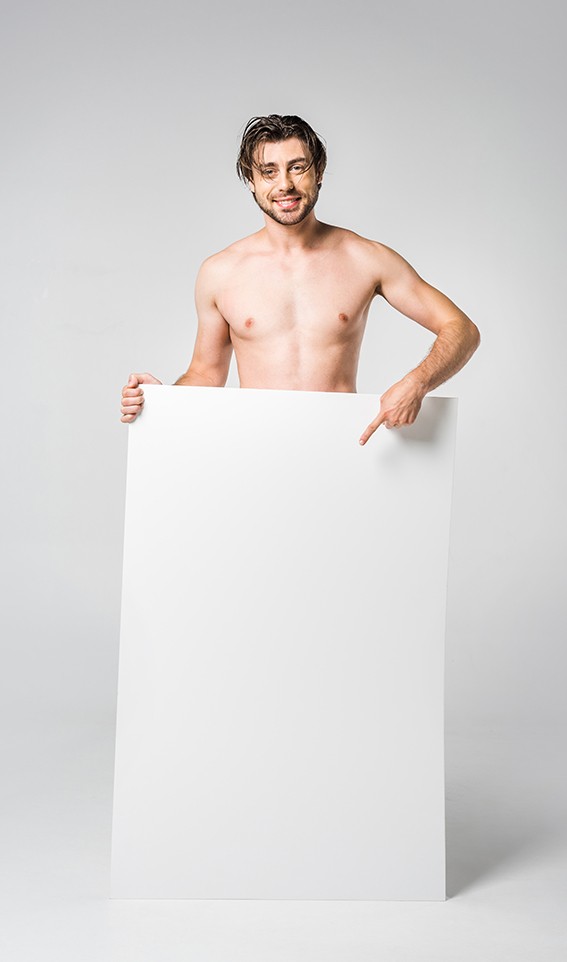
[[453, 347]]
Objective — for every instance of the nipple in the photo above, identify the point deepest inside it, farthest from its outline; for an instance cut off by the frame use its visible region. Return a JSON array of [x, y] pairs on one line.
[[249, 322], [343, 317]]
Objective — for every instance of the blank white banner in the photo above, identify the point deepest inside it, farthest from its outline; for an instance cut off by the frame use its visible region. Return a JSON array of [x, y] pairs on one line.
[[281, 672]]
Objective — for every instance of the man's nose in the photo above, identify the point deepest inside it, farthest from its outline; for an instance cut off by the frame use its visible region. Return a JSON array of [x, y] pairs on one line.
[[285, 180]]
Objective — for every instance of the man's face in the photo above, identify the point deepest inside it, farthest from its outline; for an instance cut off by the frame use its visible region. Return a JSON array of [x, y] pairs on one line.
[[284, 186]]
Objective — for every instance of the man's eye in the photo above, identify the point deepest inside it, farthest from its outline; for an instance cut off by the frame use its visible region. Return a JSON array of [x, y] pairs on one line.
[[299, 167]]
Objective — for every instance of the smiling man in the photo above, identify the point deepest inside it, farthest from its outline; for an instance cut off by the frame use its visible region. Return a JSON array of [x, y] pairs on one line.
[[292, 299]]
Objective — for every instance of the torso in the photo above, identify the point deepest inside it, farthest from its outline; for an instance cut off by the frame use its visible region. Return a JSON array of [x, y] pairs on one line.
[[297, 320]]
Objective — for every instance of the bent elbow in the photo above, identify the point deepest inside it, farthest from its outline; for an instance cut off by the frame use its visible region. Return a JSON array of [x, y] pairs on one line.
[[474, 336]]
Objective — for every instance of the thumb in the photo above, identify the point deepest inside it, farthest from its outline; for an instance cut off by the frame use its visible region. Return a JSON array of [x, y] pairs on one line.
[[133, 381]]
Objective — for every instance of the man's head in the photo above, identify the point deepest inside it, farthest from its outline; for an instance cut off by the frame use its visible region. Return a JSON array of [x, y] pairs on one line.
[[282, 160]]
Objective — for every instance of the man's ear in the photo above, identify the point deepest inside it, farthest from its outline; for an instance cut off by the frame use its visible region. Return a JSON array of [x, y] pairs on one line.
[[251, 186]]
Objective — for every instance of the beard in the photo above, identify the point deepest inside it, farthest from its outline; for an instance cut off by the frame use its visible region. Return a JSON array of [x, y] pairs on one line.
[[288, 218]]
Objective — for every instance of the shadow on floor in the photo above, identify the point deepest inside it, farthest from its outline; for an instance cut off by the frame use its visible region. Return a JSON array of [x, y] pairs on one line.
[[502, 803]]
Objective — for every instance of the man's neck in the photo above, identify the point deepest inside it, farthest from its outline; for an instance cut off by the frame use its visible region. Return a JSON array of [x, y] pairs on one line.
[[290, 238]]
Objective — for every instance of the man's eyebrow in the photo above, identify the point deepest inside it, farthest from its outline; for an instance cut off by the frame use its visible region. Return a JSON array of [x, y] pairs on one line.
[[273, 164]]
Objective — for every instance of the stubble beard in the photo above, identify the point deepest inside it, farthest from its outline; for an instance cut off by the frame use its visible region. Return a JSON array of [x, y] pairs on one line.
[[292, 217]]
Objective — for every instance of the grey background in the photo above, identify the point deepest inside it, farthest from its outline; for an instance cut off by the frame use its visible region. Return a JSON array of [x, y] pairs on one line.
[[120, 126]]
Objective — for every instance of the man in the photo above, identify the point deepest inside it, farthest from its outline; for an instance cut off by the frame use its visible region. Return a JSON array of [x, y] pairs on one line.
[[292, 299]]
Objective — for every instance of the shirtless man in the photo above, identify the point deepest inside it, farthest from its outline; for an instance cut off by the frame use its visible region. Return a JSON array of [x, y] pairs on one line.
[[293, 298]]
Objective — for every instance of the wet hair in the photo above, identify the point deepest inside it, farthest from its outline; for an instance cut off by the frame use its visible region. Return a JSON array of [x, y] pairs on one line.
[[272, 129]]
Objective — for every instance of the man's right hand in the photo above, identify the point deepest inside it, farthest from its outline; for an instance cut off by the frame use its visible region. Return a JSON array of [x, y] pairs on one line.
[[133, 396]]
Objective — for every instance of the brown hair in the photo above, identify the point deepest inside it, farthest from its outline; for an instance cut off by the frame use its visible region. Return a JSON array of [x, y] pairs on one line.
[[272, 129]]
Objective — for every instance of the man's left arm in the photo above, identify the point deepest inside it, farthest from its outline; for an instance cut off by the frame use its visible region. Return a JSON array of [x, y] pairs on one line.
[[456, 341]]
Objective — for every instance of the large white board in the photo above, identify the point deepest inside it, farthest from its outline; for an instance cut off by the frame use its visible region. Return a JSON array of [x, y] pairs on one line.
[[280, 693]]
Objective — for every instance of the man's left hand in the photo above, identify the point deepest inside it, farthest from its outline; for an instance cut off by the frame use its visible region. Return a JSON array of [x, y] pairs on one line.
[[398, 406]]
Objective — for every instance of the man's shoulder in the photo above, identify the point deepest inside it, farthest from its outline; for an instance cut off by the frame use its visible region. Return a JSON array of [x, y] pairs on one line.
[[351, 244], [360, 244], [227, 257], [371, 256]]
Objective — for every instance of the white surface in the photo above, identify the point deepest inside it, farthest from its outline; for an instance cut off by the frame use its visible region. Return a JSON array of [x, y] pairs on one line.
[[280, 708], [506, 868]]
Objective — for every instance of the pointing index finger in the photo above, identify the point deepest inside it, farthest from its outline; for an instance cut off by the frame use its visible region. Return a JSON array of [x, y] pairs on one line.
[[378, 420]]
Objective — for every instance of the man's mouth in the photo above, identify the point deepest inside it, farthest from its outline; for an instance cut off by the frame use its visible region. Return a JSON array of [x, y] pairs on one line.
[[288, 203]]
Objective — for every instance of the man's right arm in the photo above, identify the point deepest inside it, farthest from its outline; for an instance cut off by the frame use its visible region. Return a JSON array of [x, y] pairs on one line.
[[212, 351], [213, 348]]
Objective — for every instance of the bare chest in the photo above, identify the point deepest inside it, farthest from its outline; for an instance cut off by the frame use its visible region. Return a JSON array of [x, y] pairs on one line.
[[323, 300]]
